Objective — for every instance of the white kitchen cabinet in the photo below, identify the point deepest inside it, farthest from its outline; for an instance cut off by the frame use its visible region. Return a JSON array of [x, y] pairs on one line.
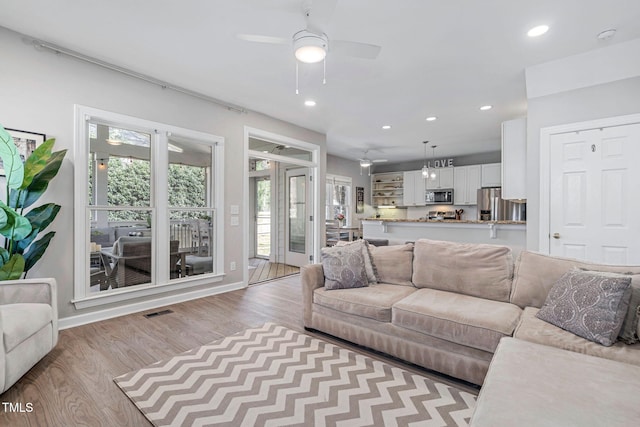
[[466, 182], [414, 187], [491, 175], [443, 179], [514, 159]]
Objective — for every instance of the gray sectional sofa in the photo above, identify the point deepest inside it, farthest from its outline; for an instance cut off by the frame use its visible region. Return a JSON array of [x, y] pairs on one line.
[[446, 306]]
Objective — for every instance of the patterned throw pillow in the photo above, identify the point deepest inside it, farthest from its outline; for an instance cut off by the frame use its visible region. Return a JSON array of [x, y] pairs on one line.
[[343, 267], [589, 305], [628, 332], [369, 268]]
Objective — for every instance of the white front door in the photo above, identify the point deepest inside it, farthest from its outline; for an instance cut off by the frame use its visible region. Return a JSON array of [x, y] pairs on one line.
[[298, 224], [594, 202]]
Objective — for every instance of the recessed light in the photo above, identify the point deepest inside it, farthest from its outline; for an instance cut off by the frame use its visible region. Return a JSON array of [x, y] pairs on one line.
[[431, 118], [538, 31], [486, 107], [310, 103], [385, 127]]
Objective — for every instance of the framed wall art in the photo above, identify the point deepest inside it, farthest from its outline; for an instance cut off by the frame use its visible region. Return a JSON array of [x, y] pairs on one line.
[[359, 200], [26, 142]]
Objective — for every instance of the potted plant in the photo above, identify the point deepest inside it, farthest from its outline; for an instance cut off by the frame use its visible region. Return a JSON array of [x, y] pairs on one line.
[[20, 221]]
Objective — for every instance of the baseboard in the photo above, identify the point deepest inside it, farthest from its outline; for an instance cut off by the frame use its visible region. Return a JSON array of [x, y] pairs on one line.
[[96, 316]]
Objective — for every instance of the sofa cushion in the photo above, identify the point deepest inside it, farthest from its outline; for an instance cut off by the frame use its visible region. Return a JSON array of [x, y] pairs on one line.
[[591, 305], [104, 236], [463, 319], [536, 273], [530, 328], [20, 321], [478, 270], [393, 263], [132, 246], [535, 385], [131, 231], [374, 302], [343, 267]]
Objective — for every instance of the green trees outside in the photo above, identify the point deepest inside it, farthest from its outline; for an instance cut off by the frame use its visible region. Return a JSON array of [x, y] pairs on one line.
[[129, 184]]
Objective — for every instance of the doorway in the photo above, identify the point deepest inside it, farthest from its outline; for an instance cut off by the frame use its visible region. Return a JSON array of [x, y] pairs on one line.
[[297, 225], [588, 195], [261, 192], [281, 195]]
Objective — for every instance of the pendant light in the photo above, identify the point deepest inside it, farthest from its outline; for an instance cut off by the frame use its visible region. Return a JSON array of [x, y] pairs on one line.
[[433, 172], [425, 169]]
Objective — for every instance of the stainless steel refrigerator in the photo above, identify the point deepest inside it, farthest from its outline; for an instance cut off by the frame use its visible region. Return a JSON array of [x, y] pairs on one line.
[[491, 206]]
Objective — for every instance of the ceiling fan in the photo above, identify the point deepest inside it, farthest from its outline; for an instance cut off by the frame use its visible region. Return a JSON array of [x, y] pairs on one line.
[[311, 45], [366, 162]]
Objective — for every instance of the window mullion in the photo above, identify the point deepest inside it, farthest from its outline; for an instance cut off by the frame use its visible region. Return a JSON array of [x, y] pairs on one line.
[[160, 203]]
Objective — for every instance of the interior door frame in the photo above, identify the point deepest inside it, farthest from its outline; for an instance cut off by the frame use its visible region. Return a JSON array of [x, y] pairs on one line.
[[291, 257], [314, 188], [544, 245]]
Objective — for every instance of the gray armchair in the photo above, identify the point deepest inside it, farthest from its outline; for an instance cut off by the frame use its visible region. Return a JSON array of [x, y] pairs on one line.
[[29, 326]]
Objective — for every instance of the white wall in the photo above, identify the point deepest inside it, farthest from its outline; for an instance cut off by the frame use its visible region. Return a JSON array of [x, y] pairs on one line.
[[606, 100], [593, 85], [39, 90]]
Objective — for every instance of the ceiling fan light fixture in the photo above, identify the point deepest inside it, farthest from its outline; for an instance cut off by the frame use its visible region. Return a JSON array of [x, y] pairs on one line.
[[365, 163], [310, 48]]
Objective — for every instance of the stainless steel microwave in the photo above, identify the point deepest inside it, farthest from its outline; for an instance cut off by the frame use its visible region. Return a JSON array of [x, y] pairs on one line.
[[439, 197]]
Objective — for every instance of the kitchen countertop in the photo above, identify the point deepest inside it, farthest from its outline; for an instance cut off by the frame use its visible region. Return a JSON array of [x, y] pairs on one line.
[[444, 221]]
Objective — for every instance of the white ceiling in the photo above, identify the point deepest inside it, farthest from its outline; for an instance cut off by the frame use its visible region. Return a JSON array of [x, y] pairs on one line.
[[442, 58]]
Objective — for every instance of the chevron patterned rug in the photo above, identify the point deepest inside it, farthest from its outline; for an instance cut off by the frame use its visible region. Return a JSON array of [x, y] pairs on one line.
[[273, 376]]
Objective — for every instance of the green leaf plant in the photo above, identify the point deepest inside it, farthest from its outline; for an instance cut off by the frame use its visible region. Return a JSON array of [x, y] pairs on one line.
[[25, 183]]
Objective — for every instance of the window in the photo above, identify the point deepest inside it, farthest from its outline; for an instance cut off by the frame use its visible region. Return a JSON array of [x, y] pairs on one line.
[[338, 198], [153, 194]]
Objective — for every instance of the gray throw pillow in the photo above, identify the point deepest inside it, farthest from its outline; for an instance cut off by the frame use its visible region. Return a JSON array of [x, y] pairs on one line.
[[590, 305], [343, 267], [628, 332], [369, 268]]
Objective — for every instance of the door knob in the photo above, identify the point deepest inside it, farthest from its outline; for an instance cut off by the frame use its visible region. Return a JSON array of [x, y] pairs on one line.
[[556, 235]]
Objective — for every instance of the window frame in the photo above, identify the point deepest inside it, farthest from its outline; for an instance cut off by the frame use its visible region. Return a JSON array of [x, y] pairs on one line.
[[332, 180], [159, 206]]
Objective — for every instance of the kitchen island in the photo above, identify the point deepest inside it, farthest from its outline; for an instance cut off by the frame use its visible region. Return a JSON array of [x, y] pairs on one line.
[[398, 231]]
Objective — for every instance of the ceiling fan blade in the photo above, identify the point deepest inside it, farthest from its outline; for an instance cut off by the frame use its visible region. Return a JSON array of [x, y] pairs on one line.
[[319, 14], [379, 160], [263, 39], [355, 49]]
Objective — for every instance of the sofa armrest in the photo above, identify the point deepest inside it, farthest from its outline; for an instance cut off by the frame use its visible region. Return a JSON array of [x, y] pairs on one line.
[[312, 278], [41, 290]]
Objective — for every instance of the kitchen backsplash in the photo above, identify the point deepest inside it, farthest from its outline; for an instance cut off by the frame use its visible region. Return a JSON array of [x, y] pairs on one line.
[[469, 212]]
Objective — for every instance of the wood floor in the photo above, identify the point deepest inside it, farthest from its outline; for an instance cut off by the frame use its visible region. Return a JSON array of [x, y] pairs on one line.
[[73, 385], [263, 270]]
